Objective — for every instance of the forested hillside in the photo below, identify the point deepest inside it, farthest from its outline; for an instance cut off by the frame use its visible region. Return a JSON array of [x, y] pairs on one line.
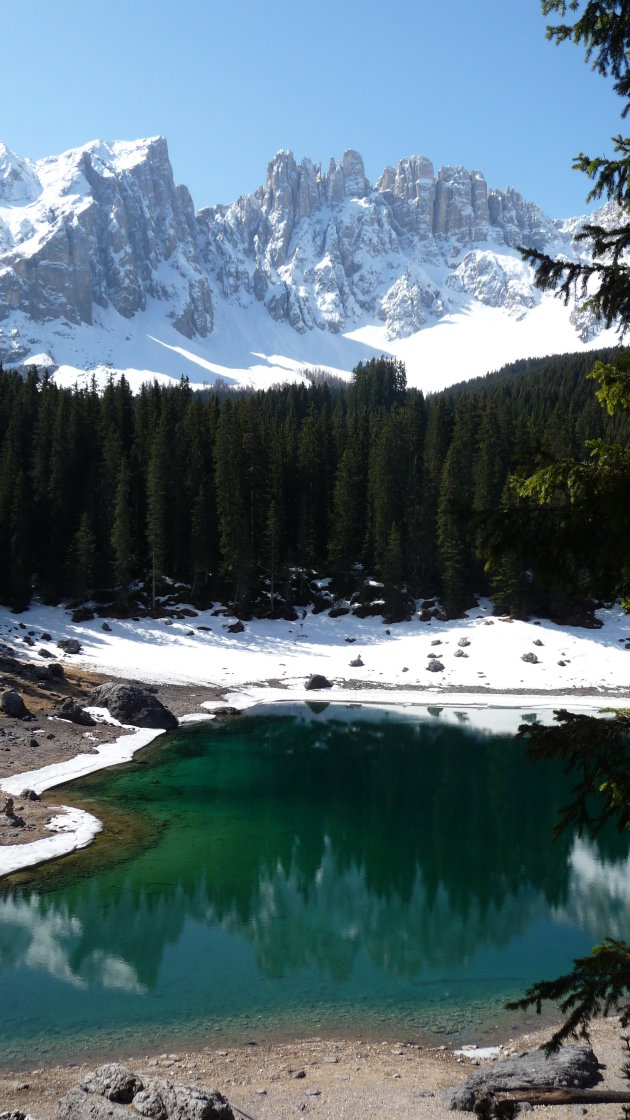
[[229, 493]]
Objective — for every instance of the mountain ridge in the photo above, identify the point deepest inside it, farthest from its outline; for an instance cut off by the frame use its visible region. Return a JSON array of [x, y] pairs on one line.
[[104, 263]]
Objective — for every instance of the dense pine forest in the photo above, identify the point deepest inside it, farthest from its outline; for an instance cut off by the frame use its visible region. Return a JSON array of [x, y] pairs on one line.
[[239, 495]]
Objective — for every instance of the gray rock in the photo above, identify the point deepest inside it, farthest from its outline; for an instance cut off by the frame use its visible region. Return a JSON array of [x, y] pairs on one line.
[[460, 653], [43, 652], [69, 645], [318, 680], [82, 614], [70, 710], [30, 795], [13, 705], [531, 658], [80, 1105], [357, 662], [463, 642], [236, 627], [134, 705], [572, 1067], [113, 1081], [106, 627], [435, 666], [113, 1092]]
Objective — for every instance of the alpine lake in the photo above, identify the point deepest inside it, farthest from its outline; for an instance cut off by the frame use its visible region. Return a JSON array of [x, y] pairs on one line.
[[298, 871]]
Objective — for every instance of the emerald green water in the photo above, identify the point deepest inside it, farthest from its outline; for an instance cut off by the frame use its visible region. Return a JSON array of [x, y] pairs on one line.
[[304, 873]]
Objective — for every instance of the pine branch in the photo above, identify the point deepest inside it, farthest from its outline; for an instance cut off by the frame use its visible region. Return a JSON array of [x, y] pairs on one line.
[[597, 985]]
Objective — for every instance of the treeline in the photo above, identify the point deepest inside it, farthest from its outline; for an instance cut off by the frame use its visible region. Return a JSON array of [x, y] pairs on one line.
[[229, 493]]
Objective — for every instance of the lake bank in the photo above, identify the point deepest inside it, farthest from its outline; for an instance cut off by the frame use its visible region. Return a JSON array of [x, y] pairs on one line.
[[347, 1077], [494, 671]]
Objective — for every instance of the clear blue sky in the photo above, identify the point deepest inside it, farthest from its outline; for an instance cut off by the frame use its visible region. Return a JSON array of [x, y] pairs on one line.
[[470, 82]]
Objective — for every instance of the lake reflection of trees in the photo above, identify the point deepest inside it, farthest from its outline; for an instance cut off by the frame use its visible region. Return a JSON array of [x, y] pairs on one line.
[[316, 841]]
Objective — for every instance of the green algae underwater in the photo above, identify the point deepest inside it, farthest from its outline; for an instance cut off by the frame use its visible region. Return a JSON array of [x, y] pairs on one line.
[[298, 871]]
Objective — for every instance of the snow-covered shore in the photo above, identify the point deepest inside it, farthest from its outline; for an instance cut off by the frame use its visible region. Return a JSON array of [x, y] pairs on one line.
[[484, 681]]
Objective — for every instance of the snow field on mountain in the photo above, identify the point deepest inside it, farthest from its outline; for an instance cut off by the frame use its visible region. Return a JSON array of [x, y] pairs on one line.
[[105, 268]]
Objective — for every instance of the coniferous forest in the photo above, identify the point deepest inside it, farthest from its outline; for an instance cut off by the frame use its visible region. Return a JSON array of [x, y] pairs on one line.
[[234, 494]]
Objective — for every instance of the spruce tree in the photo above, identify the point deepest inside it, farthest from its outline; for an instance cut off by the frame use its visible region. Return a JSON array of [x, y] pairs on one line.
[[601, 982]]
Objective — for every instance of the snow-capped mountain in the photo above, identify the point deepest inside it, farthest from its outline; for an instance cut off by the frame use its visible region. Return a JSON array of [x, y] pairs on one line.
[[104, 265]]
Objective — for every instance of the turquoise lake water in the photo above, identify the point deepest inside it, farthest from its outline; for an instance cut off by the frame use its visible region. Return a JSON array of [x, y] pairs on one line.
[[303, 872]]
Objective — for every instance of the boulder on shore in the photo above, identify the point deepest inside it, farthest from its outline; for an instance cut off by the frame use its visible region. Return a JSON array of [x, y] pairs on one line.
[[574, 1067], [70, 710], [318, 680], [131, 704], [13, 705], [112, 1092]]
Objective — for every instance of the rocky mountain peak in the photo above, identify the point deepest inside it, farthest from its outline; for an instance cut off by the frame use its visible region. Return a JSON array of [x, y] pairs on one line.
[[104, 229], [19, 184]]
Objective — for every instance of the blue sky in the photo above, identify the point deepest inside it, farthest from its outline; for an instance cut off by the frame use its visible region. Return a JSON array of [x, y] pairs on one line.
[[470, 82]]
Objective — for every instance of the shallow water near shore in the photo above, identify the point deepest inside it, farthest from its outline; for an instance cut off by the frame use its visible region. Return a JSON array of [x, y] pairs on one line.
[[315, 870]]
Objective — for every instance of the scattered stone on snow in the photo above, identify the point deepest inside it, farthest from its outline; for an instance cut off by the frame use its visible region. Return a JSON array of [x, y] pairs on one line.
[[69, 645], [318, 680], [236, 627], [106, 627], [537, 642], [531, 658], [82, 614], [463, 642], [357, 662], [460, 653], [436, 642], [134, 705], [43, 652], [435, 666], [30, 795]]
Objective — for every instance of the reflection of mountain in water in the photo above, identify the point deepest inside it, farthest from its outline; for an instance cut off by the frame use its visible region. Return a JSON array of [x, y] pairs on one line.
[[320, 844]]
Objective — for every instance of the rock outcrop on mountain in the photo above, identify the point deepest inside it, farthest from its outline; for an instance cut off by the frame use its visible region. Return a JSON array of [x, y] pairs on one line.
[[102, 225], [104, 228]]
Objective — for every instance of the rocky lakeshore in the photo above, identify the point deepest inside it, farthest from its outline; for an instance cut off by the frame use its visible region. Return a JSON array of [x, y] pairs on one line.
[[49, 729], [324, 1078]]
